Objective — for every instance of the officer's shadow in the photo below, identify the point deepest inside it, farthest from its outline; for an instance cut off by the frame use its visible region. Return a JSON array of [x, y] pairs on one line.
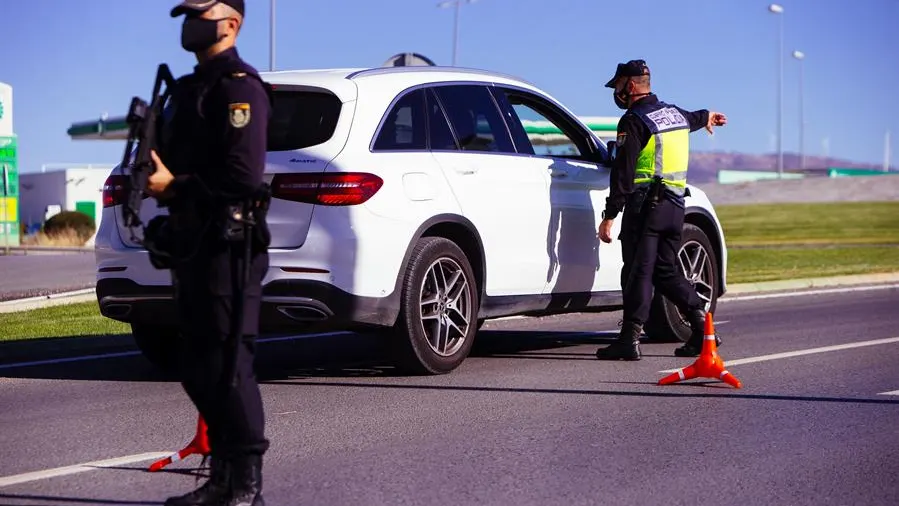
[[571, 241]]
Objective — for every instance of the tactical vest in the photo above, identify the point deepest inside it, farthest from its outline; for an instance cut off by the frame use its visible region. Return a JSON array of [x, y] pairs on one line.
[[667, 151]]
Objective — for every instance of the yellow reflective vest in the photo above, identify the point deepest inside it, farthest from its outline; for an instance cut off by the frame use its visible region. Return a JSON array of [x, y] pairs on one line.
[[667, 151]]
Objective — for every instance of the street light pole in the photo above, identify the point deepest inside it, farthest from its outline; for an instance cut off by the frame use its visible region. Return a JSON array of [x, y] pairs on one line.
[[778, 9], [799, 55], [457, 4], [456, 30], [271, 38]]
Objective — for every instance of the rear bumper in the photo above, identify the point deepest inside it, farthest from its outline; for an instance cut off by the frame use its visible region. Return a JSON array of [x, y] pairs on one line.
[[286, 305]]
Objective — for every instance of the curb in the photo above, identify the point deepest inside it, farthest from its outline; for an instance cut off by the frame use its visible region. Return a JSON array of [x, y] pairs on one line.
[[798, 284], [53, 299]]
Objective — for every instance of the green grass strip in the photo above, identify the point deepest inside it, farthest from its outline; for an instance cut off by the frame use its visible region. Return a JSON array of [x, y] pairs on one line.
[[81, 319], [810, 224]]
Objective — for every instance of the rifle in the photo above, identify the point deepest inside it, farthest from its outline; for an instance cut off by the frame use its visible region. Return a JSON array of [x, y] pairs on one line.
[[142, 122]]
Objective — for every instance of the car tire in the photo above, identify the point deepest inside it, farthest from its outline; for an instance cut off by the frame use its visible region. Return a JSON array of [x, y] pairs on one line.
[[418, 347], [666, 323], [158, 344]]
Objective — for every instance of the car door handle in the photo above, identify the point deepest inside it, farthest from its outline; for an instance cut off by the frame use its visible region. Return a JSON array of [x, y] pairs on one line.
[[558, 173], [465, 171]]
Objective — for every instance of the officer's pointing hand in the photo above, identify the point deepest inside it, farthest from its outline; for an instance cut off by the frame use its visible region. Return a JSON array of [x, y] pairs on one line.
[[159, 180], [715, 119]]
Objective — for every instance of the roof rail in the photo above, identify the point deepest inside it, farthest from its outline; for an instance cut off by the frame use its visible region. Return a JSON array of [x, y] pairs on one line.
[[433, 68]]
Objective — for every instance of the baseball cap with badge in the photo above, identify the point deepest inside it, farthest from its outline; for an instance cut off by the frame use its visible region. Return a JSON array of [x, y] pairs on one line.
[[632, 68], [198, 6]]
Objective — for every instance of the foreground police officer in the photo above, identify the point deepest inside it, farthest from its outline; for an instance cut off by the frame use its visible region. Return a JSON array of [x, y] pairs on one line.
[[653, 141], [212, 156]]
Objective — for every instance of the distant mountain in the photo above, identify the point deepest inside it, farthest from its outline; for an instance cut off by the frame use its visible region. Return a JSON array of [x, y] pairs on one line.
[[704, 165]]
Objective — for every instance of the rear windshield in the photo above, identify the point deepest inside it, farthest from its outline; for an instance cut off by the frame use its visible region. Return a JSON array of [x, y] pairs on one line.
[[302, 119]]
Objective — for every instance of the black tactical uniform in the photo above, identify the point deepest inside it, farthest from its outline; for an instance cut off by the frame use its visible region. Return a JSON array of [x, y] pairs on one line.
[[214, 143], [651, 235]]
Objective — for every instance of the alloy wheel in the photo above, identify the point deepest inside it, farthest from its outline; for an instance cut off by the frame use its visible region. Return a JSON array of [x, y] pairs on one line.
[[697, 268], [446, 309]]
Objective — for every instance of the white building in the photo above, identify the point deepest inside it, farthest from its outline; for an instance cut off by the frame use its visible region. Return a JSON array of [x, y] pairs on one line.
[[59, 188]]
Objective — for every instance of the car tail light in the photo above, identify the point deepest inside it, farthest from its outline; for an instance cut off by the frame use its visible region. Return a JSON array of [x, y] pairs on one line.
[[114, 191], [338, 189]]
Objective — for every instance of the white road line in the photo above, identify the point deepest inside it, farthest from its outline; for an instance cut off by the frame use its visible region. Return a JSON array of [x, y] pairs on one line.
[[79, 468], [797, 293], [85, 358], [894, 392], [798, 353], [82, 358]]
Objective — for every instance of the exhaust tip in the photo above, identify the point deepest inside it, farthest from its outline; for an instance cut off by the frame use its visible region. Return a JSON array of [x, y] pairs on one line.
[[117, 310], [304, 313]]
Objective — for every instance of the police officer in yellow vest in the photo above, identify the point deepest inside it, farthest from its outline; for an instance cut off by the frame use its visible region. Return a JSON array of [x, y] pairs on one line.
[[653, 142]]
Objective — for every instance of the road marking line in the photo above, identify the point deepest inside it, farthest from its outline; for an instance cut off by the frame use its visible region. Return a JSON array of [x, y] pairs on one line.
[[894, 392], [82, 358], [85, 358], [789, 354], [79, 468], [797, 293]]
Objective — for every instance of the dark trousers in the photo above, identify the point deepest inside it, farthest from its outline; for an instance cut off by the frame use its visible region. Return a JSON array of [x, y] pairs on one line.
[[650, 259], [205, 289]]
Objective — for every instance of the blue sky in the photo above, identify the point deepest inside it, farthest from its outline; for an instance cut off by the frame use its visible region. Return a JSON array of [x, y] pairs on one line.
[[71, 61]]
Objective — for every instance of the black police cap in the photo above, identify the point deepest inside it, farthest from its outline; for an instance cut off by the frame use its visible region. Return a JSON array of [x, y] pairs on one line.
[[632, 68], [204, 5]]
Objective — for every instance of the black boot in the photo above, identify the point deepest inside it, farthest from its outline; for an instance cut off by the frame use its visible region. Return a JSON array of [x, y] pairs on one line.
[[693, 346], [627, 347], [246, 482], [213, 492]]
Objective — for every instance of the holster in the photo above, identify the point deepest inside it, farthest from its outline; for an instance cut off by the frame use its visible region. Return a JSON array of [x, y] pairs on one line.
[[248, 216]]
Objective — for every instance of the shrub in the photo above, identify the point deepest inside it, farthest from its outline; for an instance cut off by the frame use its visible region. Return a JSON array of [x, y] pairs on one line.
[[68, 223]]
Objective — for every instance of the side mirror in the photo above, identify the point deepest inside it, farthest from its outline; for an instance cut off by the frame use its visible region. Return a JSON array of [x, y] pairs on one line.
[[612, 148]]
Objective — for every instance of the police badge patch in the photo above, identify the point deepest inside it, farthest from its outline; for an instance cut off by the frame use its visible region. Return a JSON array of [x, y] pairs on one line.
[[622, 136], [239, 114]]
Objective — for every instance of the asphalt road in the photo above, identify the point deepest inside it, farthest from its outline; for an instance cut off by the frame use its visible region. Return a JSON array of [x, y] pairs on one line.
[[39, 274], [530, 419]]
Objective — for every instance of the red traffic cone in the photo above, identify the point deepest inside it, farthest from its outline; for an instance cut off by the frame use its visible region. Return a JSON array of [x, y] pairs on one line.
[[709, 363], [199, 445]]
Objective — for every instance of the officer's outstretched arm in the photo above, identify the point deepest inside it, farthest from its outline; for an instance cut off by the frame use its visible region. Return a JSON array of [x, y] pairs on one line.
[[244, 108], [697, 119]]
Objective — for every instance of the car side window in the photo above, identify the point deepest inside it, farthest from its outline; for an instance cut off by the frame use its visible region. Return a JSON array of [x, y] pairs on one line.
[[404, 127], [439, 132], [475, 119], [547, 130]]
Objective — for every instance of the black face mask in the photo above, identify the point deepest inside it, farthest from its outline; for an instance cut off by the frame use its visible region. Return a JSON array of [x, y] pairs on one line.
[[621, 96], [620, 99], [198, 34]]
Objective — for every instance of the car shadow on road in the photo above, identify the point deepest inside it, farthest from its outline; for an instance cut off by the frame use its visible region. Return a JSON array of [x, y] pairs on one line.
[[347, 355]]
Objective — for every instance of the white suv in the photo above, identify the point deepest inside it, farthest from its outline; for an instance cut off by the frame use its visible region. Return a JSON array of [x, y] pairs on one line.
[[414, 200]]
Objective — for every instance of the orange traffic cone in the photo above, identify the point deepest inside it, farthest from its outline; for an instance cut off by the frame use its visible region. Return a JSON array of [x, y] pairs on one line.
[[199, 445], [709, 363]]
